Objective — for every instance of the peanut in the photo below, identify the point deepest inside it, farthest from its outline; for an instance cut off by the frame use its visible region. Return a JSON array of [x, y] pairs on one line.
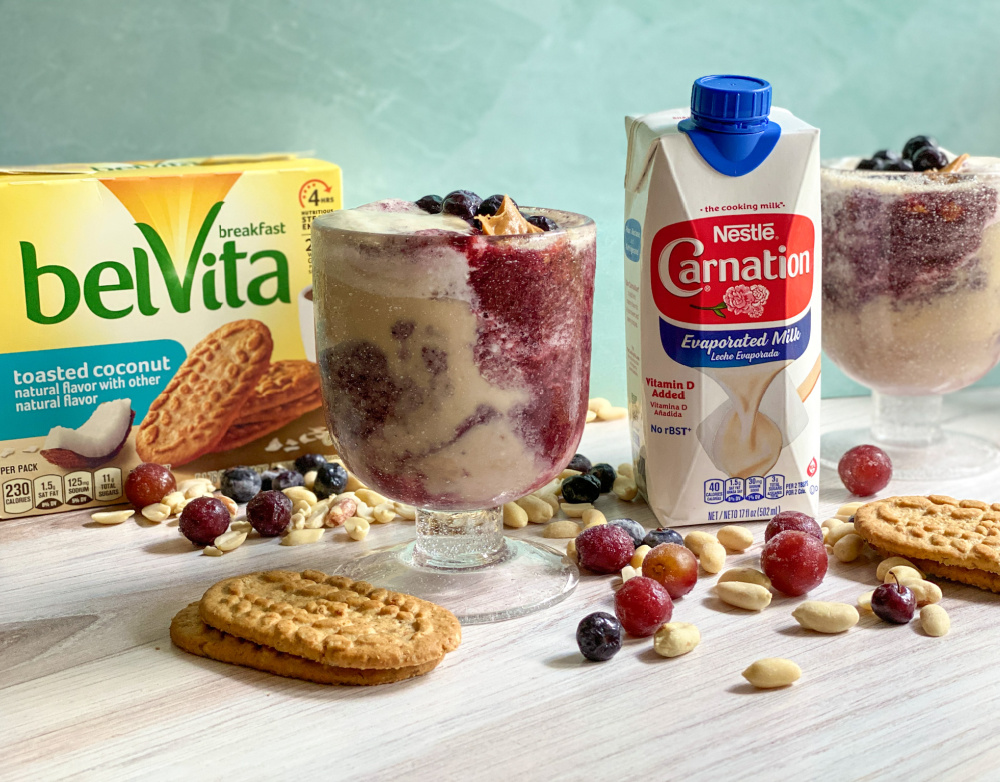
[[211, 551], [301, 506], [385, 512], [771, 672], [112, 516], [183, 486], [550, 498], [357, 528], [241, 526], [639, 556], [561, 529], [298, 521], [568, 473], [696, 541], [887, 564], [341, 509], [824, 617], [746, 575], [598, 403], [156, 512], [370, 496], [833, 521], [230, 504], [175, 501], [364, 510], [310, 479], [751, 597], [229, 541], [934, 621], [849, 509], [514, 516], [196, 490], [848, 548], [735, 538], [713, 557], [627, 469], [676, 638], [571, 550], [903, 574], [591, 416], [865, 602], [300, 537], [407, 512], [629, 572], [300, 493], [592, 517], [926, 592], [624, 488], [575, 510], [836, 533], [538, 510], [353, 483], [611, 413]]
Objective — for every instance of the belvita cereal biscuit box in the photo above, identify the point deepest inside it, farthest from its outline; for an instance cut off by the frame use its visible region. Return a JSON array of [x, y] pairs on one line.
[[155, 311]]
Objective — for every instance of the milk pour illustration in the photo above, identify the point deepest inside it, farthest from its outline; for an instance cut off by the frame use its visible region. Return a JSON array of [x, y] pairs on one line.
[[722, 296]]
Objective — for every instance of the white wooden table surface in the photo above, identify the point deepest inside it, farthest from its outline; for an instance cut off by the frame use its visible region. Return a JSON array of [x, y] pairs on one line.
[[91, 688]]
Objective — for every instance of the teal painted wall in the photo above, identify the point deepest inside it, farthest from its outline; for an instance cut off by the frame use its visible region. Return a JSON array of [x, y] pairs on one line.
[[520, 96]]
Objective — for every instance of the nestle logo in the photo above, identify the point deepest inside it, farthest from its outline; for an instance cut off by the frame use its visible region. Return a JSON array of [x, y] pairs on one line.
[[745, 232]]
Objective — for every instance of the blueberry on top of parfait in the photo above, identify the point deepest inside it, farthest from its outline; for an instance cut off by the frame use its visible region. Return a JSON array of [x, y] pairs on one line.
[[430, 204], [461, 203], [490, 206], [915, 143], [929, 159], [543, 222]]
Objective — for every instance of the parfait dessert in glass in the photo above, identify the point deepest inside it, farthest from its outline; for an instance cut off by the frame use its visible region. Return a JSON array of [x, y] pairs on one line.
[[454, 350], [911, 286]]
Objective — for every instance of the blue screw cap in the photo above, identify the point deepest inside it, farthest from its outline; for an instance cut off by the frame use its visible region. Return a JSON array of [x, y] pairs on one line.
[[731, 104]]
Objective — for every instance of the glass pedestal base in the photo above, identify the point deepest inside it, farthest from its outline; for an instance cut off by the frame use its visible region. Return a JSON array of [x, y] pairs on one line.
[[525, 578]]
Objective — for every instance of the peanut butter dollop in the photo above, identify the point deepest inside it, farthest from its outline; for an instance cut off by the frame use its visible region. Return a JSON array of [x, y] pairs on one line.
[[507, 221]]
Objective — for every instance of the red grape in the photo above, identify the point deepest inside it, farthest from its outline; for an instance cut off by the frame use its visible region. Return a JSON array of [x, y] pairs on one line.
[[792, 519], [865, 469], [794, 561], [673, 567], [203, 520], [269, 512], [604, 549], [642, 605], [147, 484]]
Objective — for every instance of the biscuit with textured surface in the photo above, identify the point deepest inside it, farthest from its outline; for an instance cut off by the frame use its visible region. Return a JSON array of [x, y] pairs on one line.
[[949, 536], [241, 433], [331, 619], [284, 382], [190, 633], [283, 413], [202, 400]]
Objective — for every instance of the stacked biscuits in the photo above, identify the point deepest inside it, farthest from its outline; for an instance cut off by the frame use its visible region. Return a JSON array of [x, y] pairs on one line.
[[320, 628]]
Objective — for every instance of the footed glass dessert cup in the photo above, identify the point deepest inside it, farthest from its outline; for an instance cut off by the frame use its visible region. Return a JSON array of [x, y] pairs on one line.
[[911, 288], [455, 369]]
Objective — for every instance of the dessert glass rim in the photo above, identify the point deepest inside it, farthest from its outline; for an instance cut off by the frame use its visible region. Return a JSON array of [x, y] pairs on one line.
[[846, 167]]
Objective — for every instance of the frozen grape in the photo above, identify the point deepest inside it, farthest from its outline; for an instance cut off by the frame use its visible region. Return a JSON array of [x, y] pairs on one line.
[[270, 513], [792, 519], [642, 605], [672, 566], [794, 561], [604, 549], [865, 470], [147, 484], [204, 519]]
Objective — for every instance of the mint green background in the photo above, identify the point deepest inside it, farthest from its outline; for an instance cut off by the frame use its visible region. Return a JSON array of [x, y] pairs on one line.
[[519, 96]]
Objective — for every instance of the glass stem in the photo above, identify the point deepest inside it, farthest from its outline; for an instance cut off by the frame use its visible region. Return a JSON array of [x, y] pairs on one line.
[[909, 421], [459, 539]]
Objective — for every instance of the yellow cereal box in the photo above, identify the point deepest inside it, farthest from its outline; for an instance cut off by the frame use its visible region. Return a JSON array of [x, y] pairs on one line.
[[155, 311]]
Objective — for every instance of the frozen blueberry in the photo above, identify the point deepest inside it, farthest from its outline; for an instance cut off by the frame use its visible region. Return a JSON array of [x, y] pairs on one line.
[[634, 529], [929, 158], [240, 483], [599, 636], [899, 165], [286, 479], [331, 479], [887, 154], [461, 203], [265, 479], [309, 461], [871, 164], [606, 474], [579, 462], [490, 206], [430, 203], [662, 535], [543, 222], [916, 143], [581, 488]]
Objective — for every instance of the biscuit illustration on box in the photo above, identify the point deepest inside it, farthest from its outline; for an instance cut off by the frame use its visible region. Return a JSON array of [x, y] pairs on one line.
[[954, 539], [204, 398]]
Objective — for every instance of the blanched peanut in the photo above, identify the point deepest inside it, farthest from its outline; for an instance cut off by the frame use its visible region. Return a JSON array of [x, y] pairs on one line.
[[575, 510], [550, 498], [571, 550], [370, 496], [926, 592], [865, 602], [353, 483], [826, 617], [747, 575], [357, 528], [384, 512], [229, 541], [211, 551], [598, 403], [887, 564], [826, 533], [696, 541], [189, 483], [713, 557], [301, 506], [364, 510], [538, 510], [301, 537], [230, 504], [629, 572], [300, 493], [310, 479], [592, 517], [838, 532], [196, 490], [902, 574], [298, 521], [591, 416], [675, 639], [175, 500], [156, 512], [751, 597], [849, 509], [568, 473], [407, 512], [772, 672], [735, 538], [314, 521], [627, 469], [514, 516], [112, 516], [624, 488], [611, 413], [848, 548], [564, 528], [639, 556], [935, 621], [341, 509], [833, 521], [241, 526]]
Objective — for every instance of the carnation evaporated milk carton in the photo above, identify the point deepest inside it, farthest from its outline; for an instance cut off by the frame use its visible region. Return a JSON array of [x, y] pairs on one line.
[[722, 296], [155, 311]]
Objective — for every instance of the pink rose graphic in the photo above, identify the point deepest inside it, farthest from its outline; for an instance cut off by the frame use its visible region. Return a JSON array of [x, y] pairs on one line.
[[741, 300]]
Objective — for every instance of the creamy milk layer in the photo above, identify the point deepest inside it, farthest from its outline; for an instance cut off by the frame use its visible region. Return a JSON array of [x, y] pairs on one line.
[[912, 277], [437, 393]]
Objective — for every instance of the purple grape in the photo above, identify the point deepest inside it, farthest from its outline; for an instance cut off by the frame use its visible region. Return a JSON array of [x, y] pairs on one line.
[[894, 603], [269, 512], [204, 519]]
